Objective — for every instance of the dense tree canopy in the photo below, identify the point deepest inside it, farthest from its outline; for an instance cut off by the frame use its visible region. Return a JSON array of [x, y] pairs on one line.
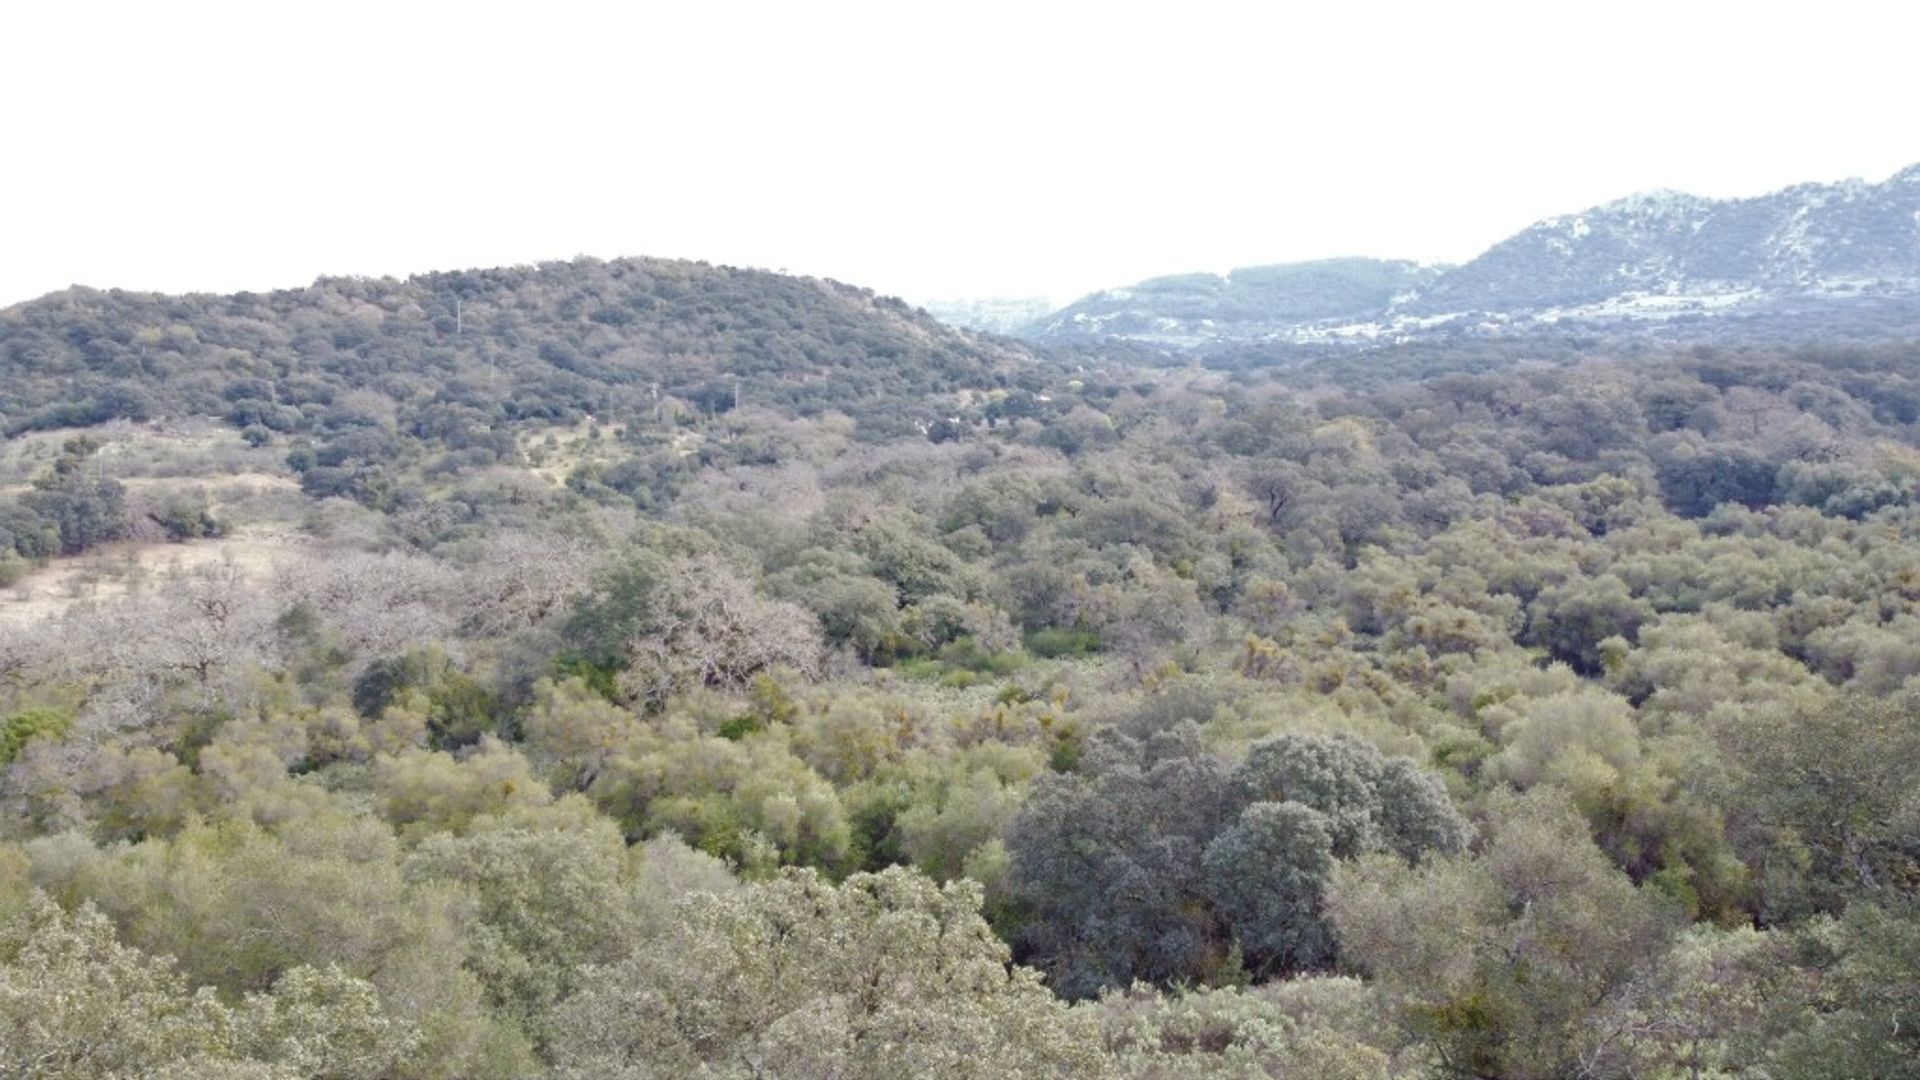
[[655, 669]]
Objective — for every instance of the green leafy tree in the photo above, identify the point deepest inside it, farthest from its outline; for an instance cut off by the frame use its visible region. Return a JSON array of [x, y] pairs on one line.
[[1265, 875], [552, 896], [1829, 805], [1496, 960], [242, 906], [23, 727], [886, 975], [1156, 862], [1858, 1013], [1303, 1029], [75, 1002]]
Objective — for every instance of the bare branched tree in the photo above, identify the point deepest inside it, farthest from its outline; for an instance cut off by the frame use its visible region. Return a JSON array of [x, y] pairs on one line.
[[377, 605], [713, 628], [519, 580]]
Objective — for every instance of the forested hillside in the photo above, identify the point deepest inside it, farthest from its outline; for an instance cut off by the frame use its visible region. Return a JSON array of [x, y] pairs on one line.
[[875, 700], [452, 351]]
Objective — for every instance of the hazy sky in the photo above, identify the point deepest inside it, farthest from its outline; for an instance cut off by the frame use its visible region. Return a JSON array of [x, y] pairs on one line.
[[926, 149]]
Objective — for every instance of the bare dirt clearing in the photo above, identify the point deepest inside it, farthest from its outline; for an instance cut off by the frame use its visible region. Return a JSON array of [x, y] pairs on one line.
[[122, 568], [247, 488]]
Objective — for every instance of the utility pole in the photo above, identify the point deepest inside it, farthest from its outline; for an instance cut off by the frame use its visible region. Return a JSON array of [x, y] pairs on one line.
[[458, 322]]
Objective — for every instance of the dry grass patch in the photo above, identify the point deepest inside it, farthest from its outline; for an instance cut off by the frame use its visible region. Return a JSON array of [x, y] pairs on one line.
[[119, 569]]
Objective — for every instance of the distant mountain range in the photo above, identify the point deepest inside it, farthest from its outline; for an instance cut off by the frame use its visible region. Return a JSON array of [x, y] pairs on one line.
[[1673, 264], [1250, 303]]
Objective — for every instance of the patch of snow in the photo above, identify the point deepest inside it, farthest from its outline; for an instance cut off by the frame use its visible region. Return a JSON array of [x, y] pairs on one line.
[[1849, 285], [1661, 203], [1650, 306], [1330, 333]]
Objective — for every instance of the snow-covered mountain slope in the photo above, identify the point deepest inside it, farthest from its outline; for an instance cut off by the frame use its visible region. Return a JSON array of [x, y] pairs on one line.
[[1841, 239], [1251, 302], [1812, 257]]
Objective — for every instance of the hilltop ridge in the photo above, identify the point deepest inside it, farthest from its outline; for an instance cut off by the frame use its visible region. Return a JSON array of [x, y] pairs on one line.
[[555, 341]]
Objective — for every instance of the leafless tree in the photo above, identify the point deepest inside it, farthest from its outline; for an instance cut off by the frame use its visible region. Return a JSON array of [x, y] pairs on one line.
[[713, 628], [377, 605], [518, 580]]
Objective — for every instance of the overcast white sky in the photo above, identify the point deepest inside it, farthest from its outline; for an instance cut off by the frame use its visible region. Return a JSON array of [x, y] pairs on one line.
[[925, 149]]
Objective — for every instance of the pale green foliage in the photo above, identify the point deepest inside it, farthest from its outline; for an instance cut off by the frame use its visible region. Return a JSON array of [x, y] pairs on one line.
[[1701, 1011], [726, 797], [119, 792], [1642, 796], [426, 791], [248, 756], [321, 1022], [571, 732], [243, 770], [961, 802], [1305, 1029], [669, 871], [1575, 739], [551, 897], [1687, 666], [975, 808], [1858, 1013], [1829, 805], [1495, 958], [74, 1002], [887, 975], [1870, 658], [242, 906], [849, 737]]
